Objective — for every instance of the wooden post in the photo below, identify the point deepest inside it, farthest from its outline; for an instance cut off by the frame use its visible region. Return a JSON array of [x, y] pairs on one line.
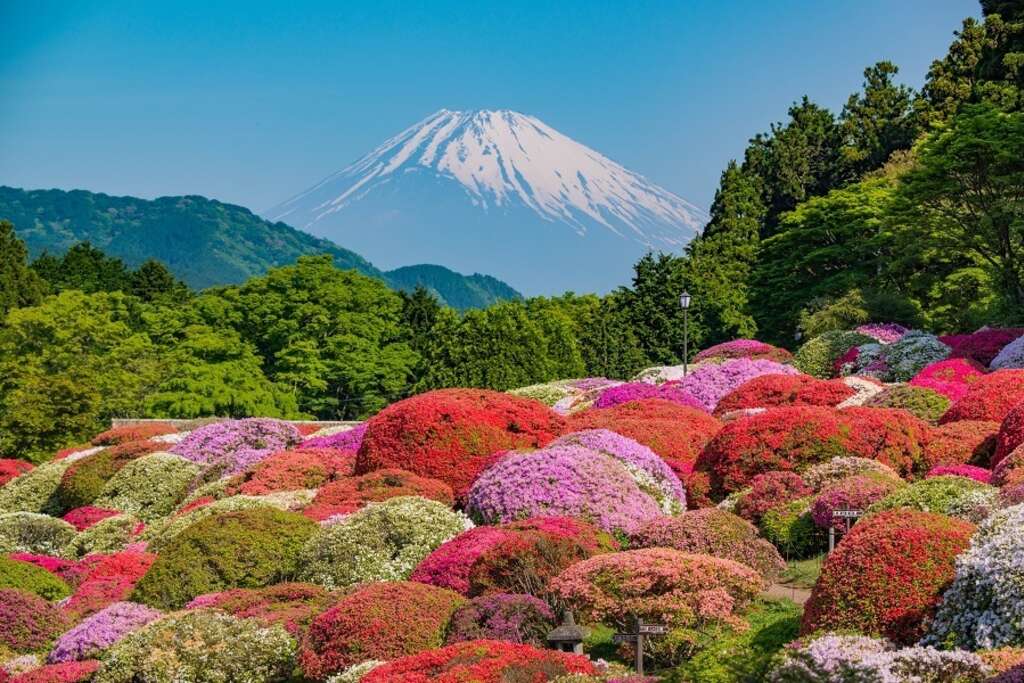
[[639, 646]]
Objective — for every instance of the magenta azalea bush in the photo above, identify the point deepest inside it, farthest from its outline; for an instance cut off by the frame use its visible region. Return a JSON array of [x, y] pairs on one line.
[[564, 480], [742, 348], [234, 445], [634, 391], [347, 440], [951, 377], [970, 471], [885, 333], [709, 383], [101, 630]]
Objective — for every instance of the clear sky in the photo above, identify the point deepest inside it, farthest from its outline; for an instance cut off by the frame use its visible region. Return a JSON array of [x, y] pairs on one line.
[[251, 102]]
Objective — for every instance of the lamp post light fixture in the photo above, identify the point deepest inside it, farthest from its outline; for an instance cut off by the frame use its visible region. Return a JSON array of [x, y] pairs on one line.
[[684, 303]]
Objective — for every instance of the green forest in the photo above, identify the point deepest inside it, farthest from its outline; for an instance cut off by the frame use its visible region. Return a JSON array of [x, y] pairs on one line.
[[905, 206]]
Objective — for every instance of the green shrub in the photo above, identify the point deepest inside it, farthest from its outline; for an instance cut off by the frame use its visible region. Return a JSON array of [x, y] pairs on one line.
[[382, 542], [818, 356], [927, 404], [790, 528], [149, 487], [200, 646], [242, 549], [34, 491], [84, 480], [948, 495], [28, 577], [108, 535], [30, 532]]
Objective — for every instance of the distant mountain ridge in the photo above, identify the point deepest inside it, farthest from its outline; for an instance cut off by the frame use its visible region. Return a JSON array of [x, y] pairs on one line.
[[205, 242]]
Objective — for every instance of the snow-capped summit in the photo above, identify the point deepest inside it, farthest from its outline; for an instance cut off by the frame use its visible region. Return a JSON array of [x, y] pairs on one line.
[[465, 188]]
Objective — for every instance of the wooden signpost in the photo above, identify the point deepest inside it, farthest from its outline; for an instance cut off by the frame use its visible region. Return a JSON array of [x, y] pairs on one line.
[[842, 521], [643, 632]]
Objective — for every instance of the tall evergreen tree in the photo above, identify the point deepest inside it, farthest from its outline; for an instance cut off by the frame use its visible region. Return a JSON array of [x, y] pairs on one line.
[[653, 305], [879, 120], [19, 284]]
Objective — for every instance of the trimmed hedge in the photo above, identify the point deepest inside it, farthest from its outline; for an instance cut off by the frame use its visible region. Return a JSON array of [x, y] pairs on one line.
[[31, 578], [149, 487]]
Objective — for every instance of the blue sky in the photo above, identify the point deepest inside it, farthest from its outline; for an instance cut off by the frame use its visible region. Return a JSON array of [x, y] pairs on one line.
[[250, 102]]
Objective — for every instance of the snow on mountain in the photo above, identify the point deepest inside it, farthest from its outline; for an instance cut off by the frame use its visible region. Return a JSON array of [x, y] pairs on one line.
[[493, 177]]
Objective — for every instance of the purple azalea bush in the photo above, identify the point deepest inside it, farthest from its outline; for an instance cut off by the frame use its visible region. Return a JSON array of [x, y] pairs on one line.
[[348, 440], [649, 471], [634, 391], [101, 630], [564, 480], [235, 445], [709, 383]]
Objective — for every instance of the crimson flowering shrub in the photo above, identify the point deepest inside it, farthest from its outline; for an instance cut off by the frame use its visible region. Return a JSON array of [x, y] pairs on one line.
[[28, 623], [136, 432], [969, 471], [292, 605], [349, 494], [84, 517], [66, 672], [348, 440], [481, 661], [992, 397], [710, 383], [1011, 433], [852, 493], [768, 490], [887, 575], [309, 468], [690, 593], [635, 391], [715, 532], [744, 348], [676, 433], [232, 446], [11, 468], [981, 346], [380, 621], [961, 442], [890, 436], [511, 617], [448, 566], [771, 391], [101, 630], [952, 377], [450, 434], [106, 579]]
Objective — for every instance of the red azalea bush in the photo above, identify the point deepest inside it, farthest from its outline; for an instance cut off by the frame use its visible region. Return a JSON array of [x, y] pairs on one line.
[[291, 470], [135, 432], [12, 467], [772, 391], [887, 576], [958, 443], [107, 579], [27, 621], [769, 490], [992, 397], [891, 436], [65, 672], [852, 493], [292, 605], [677, 433], [1011, 433], [449, 434], [347, 495], [84, 517], [981, 346], [951, 377], [970, 471], [378, 621], [744, 348], [481, 661]]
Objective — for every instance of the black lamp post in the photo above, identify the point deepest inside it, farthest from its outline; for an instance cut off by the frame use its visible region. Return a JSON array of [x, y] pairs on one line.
[[684, 303]]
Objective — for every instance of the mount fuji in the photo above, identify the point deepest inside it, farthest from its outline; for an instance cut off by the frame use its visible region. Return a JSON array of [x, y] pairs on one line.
[[497, 192]]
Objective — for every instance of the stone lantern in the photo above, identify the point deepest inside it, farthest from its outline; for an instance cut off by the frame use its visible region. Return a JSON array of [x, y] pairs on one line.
[[567, 637]]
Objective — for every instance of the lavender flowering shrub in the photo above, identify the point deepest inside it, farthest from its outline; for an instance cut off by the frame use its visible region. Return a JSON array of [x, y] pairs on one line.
[[515, 618], [563, 480], [858, 659], [101, 630], [343, 440], [234, 445], [648, 470], [709, 383]]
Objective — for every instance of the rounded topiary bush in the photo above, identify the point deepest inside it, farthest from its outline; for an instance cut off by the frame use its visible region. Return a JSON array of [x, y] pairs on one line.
[[818, 356], [232, 446], [448, 566], [768, 490], [887, 575], [31, 578], [84, 480], [382, 542], [894, 437], [244, 549], [204, 646], [515, 618], [710, 383], [961, 442], [291, 605], [743, 348], [927, 404], [450, 434], [824, 474], [773, 391], [946, 495], [105, 579], [686, 592], [98, 632], [309, 468], [28, 623], [991, 398], [676, 433], [381, 621], [858, 492], [952, 378], [970, 471], [636, 391], [983, 346], [149, 487], [347, 495], [11, 468], [1011, 433], [1010, 356], [481, 661], [35, 491], [790, 527], [715, 532], [163, 531], [109, 535], [913, 352], [29, 532]]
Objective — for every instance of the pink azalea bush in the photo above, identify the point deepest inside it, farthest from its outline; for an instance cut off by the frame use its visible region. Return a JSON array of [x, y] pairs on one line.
[[709, 383], [634, 391], [886, 333], [951, 377], [234, 445], [101, 630], [970, 471], [449, 565], [743, 348]]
